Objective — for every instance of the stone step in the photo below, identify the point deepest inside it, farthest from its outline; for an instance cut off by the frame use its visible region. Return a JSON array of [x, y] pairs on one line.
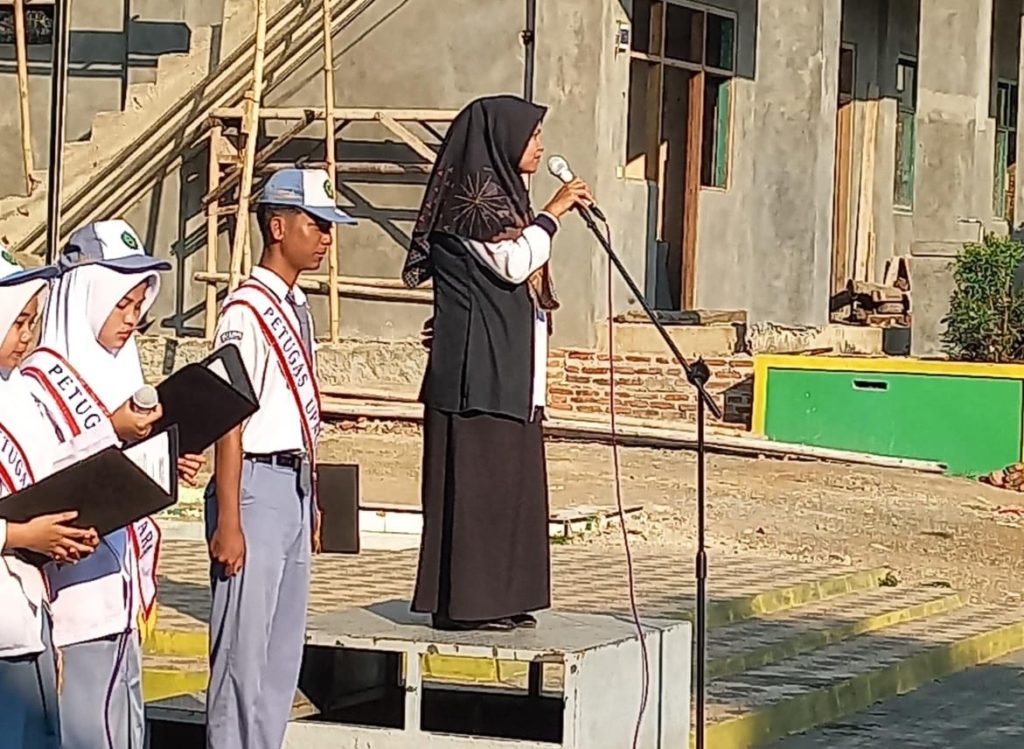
[[764, 640], [979, 707], [758, 706]]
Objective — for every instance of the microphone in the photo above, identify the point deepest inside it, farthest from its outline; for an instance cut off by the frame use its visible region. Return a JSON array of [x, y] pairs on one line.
[[145, 399], [559, 169]]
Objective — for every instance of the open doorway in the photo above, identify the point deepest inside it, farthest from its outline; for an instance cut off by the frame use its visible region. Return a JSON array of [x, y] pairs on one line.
[[682, 64]]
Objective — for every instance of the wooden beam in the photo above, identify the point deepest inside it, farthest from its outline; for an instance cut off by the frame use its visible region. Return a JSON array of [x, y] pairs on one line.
[[407, 136], [388, 290], [212, 230], [21, 53], [241, 251], [864, 255], [358, 114], [382, 167], [330, 149], [691, 191]]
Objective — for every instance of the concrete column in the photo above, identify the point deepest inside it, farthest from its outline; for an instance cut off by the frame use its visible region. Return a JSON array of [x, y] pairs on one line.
[[765, 243], [953, 182], [952, 124]]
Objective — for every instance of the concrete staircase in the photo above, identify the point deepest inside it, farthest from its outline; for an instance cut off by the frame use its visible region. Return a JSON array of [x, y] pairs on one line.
[[815, 653], [129, 152]]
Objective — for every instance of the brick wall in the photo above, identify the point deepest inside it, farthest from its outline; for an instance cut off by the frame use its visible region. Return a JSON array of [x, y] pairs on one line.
[[649, 387]]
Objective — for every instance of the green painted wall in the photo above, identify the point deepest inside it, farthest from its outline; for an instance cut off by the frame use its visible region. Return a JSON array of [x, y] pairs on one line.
[[972, 424]]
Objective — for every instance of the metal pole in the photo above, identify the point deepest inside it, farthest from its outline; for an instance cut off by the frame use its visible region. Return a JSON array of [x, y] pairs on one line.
[[58, 116], [701, 573], [529, 37]]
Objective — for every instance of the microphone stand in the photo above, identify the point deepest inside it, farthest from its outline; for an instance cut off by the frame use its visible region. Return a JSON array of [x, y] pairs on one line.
[[697, 374]]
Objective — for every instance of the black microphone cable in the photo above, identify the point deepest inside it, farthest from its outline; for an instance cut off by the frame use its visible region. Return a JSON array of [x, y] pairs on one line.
[[630, 572]]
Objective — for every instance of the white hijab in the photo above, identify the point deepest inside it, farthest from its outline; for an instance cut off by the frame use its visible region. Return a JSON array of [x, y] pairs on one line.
[[19, 412], [79, 304]]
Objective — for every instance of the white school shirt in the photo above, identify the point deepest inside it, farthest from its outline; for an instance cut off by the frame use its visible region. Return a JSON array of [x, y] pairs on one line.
[[515, 260], [277, 425], [23, 593]]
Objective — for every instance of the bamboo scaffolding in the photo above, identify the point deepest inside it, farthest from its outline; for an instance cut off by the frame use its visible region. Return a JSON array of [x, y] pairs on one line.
[[330, 146], [21, 53], [212, 228], [261, 160], [241, 251], [132, 172]]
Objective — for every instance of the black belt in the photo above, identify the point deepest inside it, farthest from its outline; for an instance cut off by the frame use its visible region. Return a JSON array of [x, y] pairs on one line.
[[284, 460]]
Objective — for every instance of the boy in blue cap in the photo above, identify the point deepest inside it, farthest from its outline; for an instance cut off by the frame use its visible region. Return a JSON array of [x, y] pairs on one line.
[[261, 512]]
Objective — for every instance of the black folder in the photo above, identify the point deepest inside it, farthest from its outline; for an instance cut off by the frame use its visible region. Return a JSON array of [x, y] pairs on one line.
[[338, 494], [108, 490], [207, 400]]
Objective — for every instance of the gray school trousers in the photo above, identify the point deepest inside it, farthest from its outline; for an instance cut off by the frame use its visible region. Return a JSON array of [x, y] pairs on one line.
[[101, 698], [258, 617], [29, 717]]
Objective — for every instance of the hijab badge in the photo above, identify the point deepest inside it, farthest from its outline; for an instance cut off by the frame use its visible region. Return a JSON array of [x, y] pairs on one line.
[[130, 241], [329, 189]]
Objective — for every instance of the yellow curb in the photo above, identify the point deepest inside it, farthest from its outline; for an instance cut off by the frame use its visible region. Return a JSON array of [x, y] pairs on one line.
[[161, 683], [809, 641], [790, 597], [822, 706]]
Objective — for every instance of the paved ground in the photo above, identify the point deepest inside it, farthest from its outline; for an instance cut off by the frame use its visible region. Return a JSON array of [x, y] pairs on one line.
[[977, 709], [926, 527], [586, 577]]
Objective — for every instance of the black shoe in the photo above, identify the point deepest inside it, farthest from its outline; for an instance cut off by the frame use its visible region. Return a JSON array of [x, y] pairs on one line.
[[524, 621], [453, 625]]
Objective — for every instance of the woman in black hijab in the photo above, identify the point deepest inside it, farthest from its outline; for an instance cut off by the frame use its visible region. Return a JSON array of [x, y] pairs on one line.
[[484, 558]]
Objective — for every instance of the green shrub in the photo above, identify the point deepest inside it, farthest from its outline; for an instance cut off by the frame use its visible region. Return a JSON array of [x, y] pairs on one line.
[[986, 312]]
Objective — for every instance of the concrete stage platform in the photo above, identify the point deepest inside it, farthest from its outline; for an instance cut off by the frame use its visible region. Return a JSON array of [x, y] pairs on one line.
[[363, 686]]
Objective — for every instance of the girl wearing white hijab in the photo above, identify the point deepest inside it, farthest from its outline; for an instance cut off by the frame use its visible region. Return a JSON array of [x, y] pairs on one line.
[[86, 370], [29, 717]]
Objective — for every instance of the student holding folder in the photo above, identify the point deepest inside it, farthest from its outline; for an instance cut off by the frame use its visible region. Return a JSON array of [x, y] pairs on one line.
[[85, 372], [29, 447]]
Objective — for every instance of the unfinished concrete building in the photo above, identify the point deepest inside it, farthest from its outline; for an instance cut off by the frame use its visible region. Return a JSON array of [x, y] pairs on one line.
[[752, 156]]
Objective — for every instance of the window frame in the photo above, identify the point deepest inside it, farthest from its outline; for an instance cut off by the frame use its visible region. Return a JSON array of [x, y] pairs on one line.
[[660, 61], [1009, 129], [902, 111]]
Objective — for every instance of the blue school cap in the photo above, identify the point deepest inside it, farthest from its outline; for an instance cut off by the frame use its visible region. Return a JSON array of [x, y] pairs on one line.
[[12, 274], [111, 244], [308, 189]]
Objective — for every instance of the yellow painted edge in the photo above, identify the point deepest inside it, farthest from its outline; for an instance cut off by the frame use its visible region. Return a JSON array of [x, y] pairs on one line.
[[161, 683], [810, 641], [180, 642], [889, 365], [791, 597], [822, 706], [760, 395]]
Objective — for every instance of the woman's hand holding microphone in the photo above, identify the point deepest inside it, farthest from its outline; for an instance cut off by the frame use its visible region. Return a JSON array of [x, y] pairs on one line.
[[571, 194]]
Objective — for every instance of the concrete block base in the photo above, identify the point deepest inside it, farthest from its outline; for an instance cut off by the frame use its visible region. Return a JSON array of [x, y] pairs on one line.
[[364, 685]]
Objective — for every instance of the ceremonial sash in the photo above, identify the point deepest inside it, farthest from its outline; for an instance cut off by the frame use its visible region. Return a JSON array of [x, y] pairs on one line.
[[15, 471], [63, 391], [66, 394], [292, 357]]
